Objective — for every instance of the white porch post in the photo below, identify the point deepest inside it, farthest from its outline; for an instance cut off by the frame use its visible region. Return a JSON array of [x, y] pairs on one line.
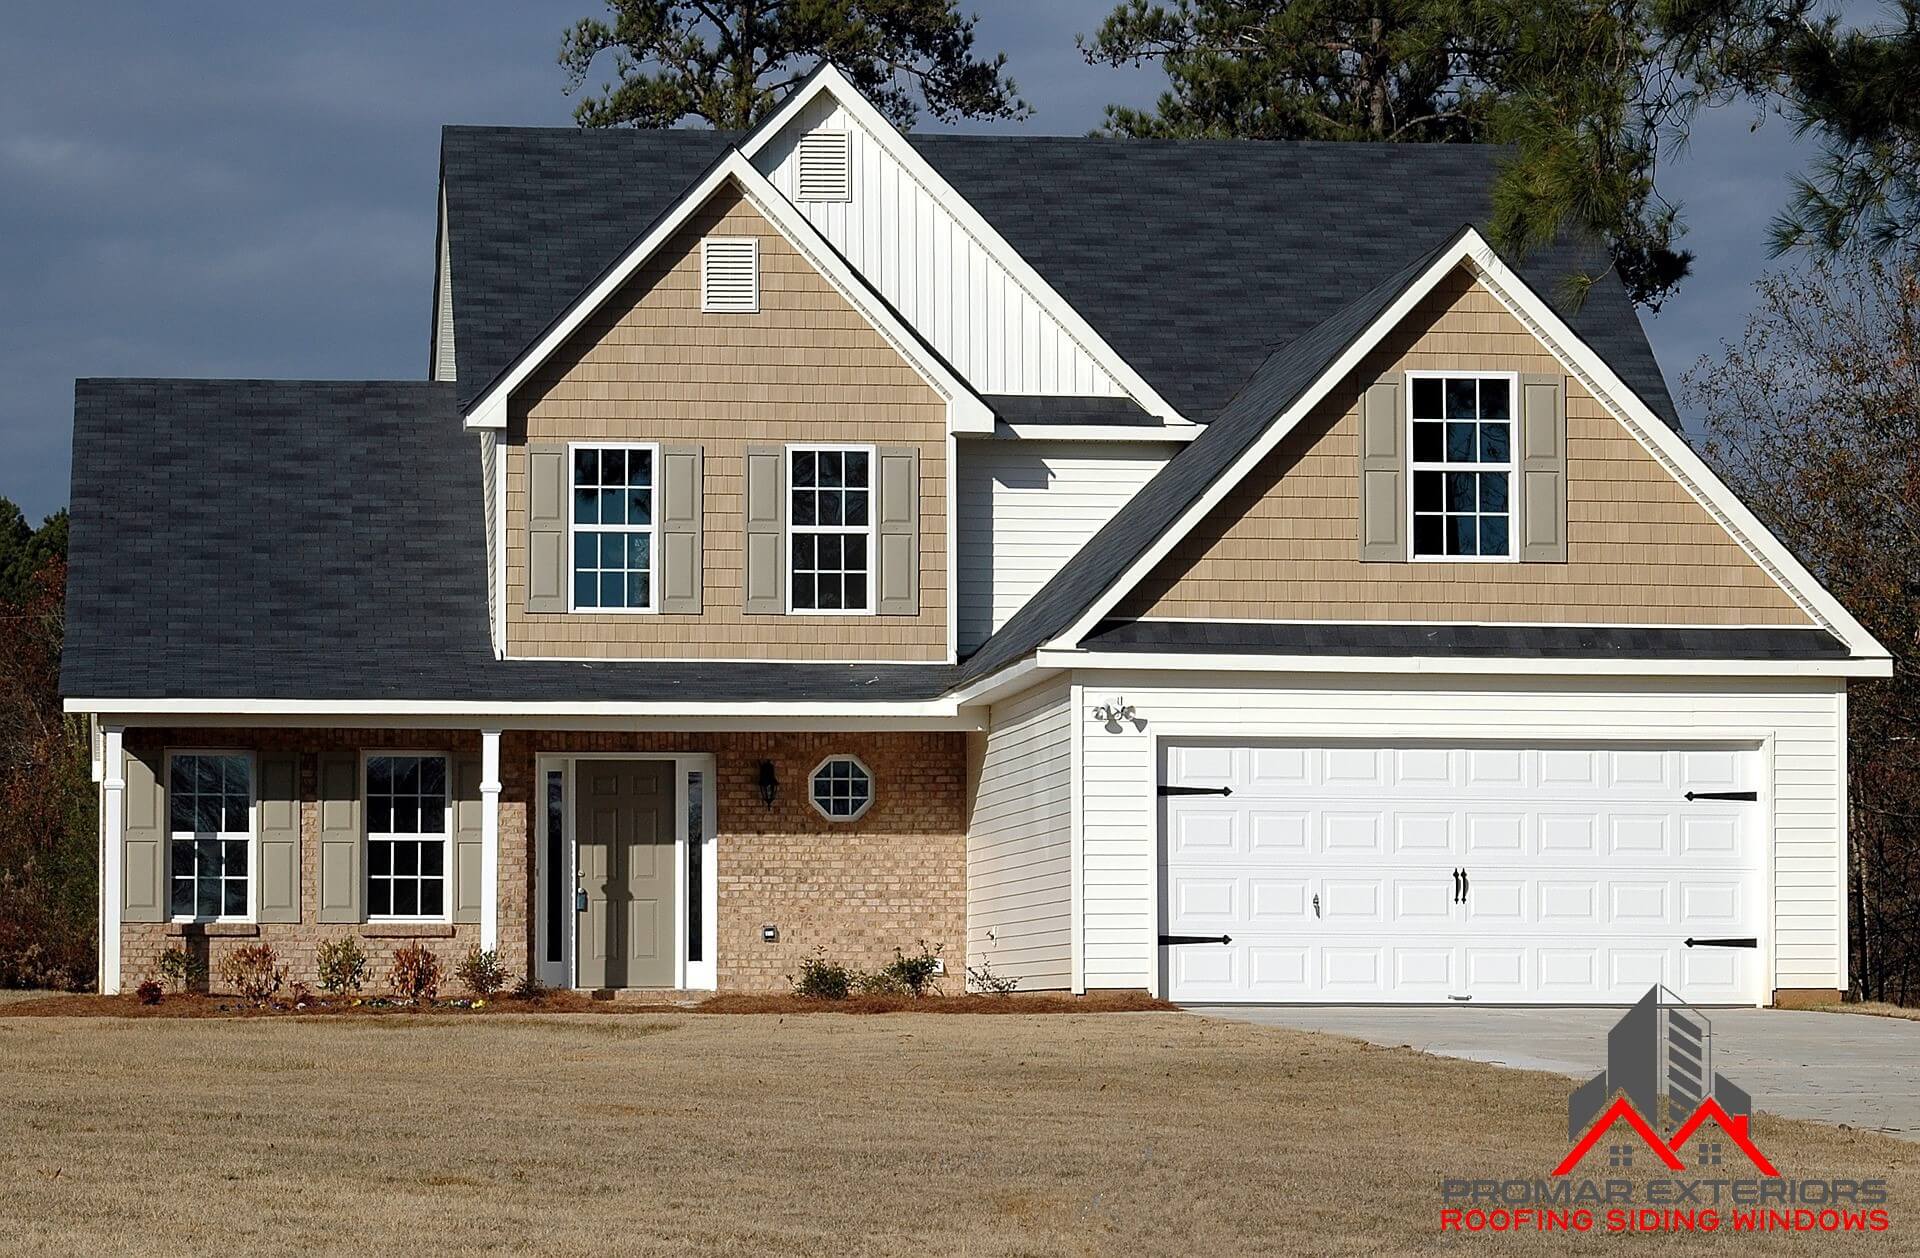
[[113, 823], [489, 838]]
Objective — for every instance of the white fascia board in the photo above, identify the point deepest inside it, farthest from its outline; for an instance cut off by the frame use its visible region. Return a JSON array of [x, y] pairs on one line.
[[944, 713], [1454, 665], [998, 685], [1172, 433], [828, 80], [965, 411], [1660, 440]]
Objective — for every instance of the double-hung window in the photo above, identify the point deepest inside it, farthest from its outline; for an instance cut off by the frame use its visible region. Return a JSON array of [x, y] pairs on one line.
[[1462, 466], [210, 833], [407, 837], [830, 522], [613, 555]]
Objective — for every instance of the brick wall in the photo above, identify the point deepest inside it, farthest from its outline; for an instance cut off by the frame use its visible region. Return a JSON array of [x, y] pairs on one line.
[[892, 878]]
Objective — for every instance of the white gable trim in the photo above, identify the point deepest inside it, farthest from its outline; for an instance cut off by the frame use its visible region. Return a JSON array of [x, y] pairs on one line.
[[1663, 442], [965, 411], [828, 80]]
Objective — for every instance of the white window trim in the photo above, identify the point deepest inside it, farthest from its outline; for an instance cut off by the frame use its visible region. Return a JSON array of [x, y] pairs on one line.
[[252, 836], [873, 787], [1511, 467], [446, 841], [786, 558], [652, 449], [753, 253]]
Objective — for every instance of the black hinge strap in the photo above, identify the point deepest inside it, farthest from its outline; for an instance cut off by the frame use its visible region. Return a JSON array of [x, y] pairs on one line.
[[1722, 943], [1187, 939], [1747, 796], [1196, 790]]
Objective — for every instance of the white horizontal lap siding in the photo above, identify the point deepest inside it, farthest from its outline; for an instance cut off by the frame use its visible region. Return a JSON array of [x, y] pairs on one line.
[[1801, 722], [941, 280], [1025, 508], [490, 520], [1019, 876]]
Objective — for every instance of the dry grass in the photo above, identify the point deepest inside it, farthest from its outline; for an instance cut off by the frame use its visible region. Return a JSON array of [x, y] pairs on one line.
[[1151, 1133], [1872, 1009]]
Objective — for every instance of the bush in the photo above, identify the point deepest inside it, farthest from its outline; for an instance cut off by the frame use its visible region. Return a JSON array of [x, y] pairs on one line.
[[415, 974], [150, 992], [481, 972], [822, 979], [343, 966], [529, 988], [982, 979], [907, 975], [183, 970], [254, 971]]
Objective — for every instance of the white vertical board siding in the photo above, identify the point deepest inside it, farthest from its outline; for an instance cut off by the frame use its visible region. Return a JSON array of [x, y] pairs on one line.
[[1026, 507], [942, 281], [1019, 839], [1797, 726]]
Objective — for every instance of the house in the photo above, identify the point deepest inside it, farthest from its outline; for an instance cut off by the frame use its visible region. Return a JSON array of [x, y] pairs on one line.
[[1208, 568]]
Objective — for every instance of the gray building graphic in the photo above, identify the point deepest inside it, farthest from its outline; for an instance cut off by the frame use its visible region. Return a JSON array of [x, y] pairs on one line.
[[1660, 1048]]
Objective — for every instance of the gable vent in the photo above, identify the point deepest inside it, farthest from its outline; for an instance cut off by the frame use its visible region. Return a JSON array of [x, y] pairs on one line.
[[824, 167], [730, 275]]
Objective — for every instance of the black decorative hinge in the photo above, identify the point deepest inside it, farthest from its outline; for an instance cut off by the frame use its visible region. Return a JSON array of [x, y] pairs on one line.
[[1722, 943], [1187, 939], [1746, 796], [1196, 790]]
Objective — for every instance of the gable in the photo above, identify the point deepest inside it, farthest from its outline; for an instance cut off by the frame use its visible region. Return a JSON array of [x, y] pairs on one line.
[[1283, 543]]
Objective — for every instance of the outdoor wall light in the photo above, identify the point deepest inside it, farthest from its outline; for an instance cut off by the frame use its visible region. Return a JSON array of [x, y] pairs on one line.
[[769, 934], [1114, 714], [769, 783]]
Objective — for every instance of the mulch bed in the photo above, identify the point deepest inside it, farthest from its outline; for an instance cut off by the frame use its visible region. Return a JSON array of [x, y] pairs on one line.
[[203, 1006]]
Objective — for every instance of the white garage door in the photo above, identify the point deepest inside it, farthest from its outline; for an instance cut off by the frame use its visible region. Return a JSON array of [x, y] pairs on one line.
[[1488, 873]]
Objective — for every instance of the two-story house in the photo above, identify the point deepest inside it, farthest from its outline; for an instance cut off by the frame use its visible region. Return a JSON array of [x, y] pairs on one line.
[[1208, 568]]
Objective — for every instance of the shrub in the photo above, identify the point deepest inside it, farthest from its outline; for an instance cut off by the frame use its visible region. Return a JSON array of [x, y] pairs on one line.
[[822, 979], [909, 975], [415, 974], [150, 992], [254, 971], [982, 979], [529, 988], [343, 966], [183, 970], [300, 993], [480, 970]]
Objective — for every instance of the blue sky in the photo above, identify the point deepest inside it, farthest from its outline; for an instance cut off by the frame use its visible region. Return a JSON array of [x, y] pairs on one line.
[[202, 189]]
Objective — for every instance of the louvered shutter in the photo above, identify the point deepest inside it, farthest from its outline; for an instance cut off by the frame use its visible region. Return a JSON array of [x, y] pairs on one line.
[[822, 167], [1543, 469], [730, 275], [679, 526], [766, 527], [1383, 473], [896, 516]]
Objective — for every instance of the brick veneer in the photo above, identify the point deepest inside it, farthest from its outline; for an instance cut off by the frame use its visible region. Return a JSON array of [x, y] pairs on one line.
[[894, 877]]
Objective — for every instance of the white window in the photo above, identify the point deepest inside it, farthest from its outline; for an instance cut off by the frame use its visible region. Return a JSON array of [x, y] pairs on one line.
[[406, 837], [1462, 465], [613, 528], [210, 828], [841, 788], [830, 519], [822, 167], [730, 275]]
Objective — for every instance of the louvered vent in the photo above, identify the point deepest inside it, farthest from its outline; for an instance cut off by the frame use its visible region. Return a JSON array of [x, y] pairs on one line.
[[824, 173], [730, 276]]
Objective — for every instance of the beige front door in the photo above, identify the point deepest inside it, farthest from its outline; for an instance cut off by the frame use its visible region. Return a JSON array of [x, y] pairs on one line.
[[624, 828]]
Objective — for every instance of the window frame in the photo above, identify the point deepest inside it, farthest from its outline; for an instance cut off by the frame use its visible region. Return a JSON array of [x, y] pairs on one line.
[[445, 915], [652, 530], [873, 786], [1511, 467], [253, 836], [787, 533]]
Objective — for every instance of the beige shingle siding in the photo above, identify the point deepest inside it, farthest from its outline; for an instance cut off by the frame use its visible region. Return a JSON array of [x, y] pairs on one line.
[[808, 367], [1283, 545]]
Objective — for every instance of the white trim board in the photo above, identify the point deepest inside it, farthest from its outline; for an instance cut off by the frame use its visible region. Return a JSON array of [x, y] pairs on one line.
[[1455, 665], [1660, 440], [965, 411], [944, 713]]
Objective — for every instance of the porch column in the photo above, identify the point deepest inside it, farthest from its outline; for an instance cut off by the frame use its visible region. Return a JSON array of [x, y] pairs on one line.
[[113, 823], [489, 838]]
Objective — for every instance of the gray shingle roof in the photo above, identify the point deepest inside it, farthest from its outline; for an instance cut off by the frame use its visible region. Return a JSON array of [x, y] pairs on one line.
[[1503, 641]]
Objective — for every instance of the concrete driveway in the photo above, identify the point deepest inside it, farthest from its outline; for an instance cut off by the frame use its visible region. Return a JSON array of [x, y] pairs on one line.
[[1854, 1069]]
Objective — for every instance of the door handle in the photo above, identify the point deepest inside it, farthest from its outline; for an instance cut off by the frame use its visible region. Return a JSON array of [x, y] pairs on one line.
[[1316, 905], [579, 899], [1465, 886], [1456, 886]]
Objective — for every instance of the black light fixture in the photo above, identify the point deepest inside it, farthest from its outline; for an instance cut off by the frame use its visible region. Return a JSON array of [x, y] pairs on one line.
[[769, 783]]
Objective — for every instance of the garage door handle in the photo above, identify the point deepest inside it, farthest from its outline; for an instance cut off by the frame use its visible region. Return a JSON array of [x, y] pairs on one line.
[[1187, 939], [1465, 886], [1722, 943], [1749, 797]]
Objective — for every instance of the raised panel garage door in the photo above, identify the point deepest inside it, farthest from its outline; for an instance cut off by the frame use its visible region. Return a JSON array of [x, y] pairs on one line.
[[1497, 874]]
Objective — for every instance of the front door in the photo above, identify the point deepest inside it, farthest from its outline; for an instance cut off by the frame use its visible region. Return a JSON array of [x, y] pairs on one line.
[[627, 922]]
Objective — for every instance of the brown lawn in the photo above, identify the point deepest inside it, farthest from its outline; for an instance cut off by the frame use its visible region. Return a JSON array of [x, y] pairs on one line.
[[1130, 1134]]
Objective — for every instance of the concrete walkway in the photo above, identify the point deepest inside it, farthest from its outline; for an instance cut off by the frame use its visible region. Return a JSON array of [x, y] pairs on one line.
[[1852, 1069]]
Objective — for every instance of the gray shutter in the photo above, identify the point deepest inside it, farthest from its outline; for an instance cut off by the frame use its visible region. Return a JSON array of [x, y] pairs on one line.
[[1383, 472], [766, 526], [682, 471], [342, 885], [466, 838], [278, 890], [1542, 497], [143, 859], [896, 515], [547, 495]]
